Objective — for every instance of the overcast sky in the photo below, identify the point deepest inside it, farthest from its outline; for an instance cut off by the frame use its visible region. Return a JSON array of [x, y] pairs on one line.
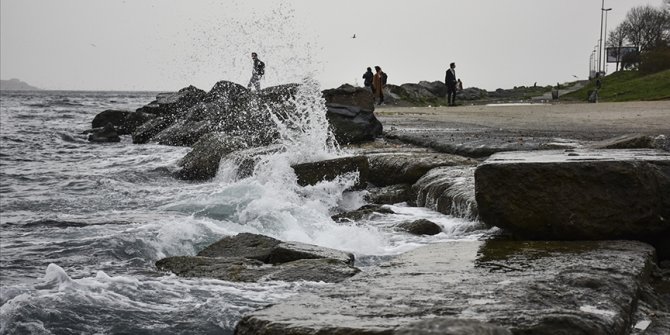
[[169, 44]]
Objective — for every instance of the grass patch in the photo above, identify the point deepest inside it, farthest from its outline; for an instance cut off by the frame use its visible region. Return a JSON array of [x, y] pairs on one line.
[[627, 86]]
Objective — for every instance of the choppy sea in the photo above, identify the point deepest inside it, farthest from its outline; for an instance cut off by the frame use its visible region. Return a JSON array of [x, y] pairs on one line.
[[82, 224]]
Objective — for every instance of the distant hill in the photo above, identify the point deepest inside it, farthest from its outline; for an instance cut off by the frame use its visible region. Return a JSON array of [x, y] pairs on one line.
[[16, 85]]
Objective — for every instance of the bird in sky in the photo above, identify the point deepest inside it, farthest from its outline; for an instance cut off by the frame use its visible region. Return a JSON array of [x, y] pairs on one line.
[[353, 36]]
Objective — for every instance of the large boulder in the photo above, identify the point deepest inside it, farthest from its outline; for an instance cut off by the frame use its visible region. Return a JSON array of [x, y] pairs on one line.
[[315, 172], [418, 93], [389, 169], [115, 117], [352, 124], [105, 134], [420, 227], [174, 105], [437, 88], [249, 270], [250, 257], [145, 132], [203, 161], [577, 194], [348, 95]]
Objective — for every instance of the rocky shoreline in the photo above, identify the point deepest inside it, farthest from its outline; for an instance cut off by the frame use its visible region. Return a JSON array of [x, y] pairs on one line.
[[573, 204]]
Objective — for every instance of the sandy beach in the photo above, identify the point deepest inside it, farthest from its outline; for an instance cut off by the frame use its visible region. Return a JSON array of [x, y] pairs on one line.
[[587, 119]]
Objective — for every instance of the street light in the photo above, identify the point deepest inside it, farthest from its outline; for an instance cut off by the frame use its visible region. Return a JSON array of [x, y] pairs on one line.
[[605, 39], [600, 39]]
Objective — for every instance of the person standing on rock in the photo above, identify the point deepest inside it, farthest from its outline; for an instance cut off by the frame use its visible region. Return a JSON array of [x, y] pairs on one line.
[[257, 72], [451, 82], [367, 80], [378, 84]]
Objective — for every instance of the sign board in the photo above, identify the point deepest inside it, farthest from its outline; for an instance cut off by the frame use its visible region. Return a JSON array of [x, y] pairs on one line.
[[616, 54]]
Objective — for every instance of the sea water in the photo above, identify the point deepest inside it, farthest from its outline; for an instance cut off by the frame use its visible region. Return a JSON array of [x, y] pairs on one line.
[[83, 223]]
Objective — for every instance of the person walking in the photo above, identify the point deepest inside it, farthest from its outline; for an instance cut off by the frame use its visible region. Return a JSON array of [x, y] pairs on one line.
[[452, 82], [367, 80], [378, 84], [257, 72]]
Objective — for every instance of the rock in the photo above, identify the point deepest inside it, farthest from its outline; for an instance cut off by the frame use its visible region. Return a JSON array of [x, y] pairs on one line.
[[389, 169], [526, 287], [315, 172], [364, 212], [174, 105], [248, 270], [236, 269], [451, 326], [292, 251], [145, 132], [352, 124], [577, 194], [203, 161], [347, 95], [448, 190], [421, 227], [318, 270], [247, 245], [106, 134], [471, 93], [224, 90], [418, 93], [183, 133], [115, 117], [246, 257], [271, 251], [388, 195], [133, 121], [629, 141], [245, 160], [437, 88]]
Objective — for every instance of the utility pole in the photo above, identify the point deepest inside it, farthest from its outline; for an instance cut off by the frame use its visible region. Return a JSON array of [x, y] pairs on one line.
[[600, 38]]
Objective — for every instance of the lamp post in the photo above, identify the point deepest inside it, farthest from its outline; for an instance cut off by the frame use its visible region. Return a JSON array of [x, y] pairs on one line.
[[606, 10], [600, 39]]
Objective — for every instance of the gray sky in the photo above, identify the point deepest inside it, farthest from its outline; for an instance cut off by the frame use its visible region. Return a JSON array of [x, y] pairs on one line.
[[170, 44]]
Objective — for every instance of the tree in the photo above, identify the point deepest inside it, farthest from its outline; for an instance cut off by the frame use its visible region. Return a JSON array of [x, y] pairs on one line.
[[647, 27], [616, 39]]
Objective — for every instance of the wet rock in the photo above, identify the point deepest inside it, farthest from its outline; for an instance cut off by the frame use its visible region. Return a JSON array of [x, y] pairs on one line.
[[451, 326], [246, 160], [106, 134], [115, 117], [389, 195], [448, 190], [250, 257], [351, 124], [389, 169], [133, 121], [525, 287], [183, 133], [364, 212], [270, 250], [145, 132], [203, 161], [249, 270], [577, 194], [348, 95], [292, 251], [174, 105], [421, 227], [313, 173], [247, 245], [236, 269]]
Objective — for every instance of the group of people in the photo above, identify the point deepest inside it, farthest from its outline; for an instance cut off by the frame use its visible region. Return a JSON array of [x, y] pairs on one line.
[[375, 82]]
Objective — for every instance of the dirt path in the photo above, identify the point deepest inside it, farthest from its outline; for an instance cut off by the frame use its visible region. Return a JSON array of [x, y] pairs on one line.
[[623, 117]]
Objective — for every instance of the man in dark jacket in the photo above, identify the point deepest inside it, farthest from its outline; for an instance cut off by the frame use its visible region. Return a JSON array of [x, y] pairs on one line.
[[451, 82], [367, 79], [257, 72]]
